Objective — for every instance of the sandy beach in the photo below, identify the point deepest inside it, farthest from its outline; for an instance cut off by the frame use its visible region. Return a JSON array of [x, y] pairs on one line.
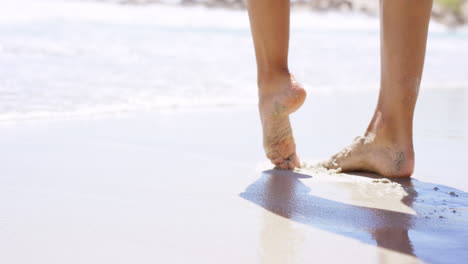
[[192, 186], [130, 134]]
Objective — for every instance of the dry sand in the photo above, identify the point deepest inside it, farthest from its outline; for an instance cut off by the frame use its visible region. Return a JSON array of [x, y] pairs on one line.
[[191, 186]]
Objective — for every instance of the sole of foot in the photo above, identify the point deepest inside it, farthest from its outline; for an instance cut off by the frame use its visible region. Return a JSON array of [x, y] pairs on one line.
[[281, 96]]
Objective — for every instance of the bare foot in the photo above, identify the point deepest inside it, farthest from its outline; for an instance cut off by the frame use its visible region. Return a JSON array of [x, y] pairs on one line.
[[280, 97], [378, 151]]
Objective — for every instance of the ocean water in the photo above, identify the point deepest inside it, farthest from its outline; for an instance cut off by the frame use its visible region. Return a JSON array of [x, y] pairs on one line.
[[79, 58]]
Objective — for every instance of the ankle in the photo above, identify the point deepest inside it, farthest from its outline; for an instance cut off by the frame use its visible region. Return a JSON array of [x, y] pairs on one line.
[[268, 76], [390, 129], [398, 149]]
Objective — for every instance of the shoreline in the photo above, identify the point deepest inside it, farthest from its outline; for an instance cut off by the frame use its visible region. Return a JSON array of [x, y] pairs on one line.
[[452, 14], [119, 189]]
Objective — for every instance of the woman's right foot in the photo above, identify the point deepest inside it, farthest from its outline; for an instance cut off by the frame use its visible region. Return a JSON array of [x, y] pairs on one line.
[[279, 96], [381, 150]]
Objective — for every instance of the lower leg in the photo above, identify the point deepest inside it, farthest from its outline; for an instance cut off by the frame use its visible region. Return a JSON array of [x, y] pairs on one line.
[[279, 93], [404, 27], [387, 146]]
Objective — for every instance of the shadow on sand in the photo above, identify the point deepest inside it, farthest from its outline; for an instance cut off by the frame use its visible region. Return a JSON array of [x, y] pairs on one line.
[[437, 233]]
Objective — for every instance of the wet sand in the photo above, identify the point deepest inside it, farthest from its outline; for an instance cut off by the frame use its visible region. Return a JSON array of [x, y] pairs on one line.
[[192, 186]]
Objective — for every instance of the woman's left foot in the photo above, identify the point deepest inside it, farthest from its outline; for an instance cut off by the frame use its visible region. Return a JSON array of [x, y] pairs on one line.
[[281, 95]]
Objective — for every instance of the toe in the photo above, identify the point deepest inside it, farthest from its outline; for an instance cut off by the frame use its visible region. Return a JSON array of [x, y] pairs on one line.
[[275, 158], [295, 160], [291, 165], [284, 165], [278, 161], [330, 164]]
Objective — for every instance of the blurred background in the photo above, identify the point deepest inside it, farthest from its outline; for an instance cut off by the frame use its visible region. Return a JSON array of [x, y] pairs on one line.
[[68, 58], [128, 129]]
